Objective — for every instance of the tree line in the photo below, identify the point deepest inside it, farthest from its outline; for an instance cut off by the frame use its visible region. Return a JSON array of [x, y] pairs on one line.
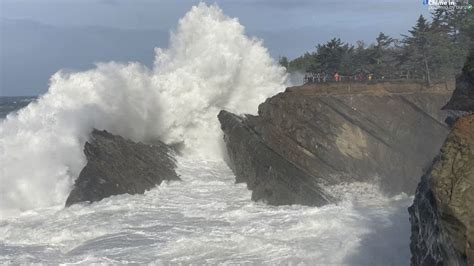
[[432, 51]]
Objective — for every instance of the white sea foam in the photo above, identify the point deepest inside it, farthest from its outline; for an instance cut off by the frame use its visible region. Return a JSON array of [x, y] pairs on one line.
[[207, 219], [210, 65]]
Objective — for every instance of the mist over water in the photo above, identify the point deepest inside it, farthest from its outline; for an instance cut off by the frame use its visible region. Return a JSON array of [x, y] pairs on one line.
[[210, 65]]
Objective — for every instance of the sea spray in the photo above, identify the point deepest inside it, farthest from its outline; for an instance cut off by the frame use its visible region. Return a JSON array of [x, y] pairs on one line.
[[208, 219], [210, 65]]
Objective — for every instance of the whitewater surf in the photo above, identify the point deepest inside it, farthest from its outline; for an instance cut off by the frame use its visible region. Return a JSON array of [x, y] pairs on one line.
[[209, 219], [210, 65]]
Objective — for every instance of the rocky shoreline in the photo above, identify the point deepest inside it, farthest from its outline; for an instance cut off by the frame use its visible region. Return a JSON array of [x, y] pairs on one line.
[[336, 133], [311, 137]]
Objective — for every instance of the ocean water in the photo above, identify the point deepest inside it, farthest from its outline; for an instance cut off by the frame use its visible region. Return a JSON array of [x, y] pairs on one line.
[[13, 104], [207, 218], [211, 65]]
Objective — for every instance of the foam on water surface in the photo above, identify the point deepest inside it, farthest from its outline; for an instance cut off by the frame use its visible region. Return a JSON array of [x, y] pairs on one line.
[[210, 65], [209, 219]]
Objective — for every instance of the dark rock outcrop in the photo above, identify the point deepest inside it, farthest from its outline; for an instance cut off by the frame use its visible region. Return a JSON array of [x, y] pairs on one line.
[[270, 176], [317, 135], [117, 166], [463, 96], [442, 214]]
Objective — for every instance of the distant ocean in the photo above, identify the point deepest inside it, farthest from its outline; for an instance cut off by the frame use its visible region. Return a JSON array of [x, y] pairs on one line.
[[13, 104]]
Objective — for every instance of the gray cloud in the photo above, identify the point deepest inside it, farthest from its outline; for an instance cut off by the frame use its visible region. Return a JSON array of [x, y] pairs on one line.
[[122, 30], [110, 2]]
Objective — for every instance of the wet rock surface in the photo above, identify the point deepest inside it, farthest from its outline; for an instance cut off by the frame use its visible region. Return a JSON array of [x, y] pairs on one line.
[[336, 133], [117, 166], [442, 214], [270, 176]]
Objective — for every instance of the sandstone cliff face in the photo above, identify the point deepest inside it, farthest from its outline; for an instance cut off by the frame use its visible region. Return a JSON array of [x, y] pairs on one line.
[[333, 133], [117, 166]]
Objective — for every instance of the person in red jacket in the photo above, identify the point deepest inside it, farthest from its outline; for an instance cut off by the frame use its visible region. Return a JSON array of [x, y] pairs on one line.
[[337, 77]]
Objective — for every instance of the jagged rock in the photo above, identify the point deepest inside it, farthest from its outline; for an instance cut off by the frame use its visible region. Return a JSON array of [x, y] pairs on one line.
[[328, 134], [270, 176], [117, 166], [442, 215], [463, 96]]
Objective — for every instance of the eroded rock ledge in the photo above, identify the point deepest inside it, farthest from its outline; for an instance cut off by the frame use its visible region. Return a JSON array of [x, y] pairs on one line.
[[325, 134], [117, 166]]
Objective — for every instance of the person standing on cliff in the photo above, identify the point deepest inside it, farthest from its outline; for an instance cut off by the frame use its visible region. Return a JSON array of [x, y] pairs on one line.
[[307, 78]]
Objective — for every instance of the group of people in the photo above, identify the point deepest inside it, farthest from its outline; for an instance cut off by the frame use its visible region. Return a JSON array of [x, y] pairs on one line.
[[311, 77]]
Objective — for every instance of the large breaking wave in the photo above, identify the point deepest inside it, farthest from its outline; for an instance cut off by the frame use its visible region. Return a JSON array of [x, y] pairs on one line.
[[210, 65]]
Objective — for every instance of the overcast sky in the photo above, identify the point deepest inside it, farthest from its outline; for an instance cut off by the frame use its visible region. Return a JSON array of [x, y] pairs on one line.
[[266, 15], [288, 28]]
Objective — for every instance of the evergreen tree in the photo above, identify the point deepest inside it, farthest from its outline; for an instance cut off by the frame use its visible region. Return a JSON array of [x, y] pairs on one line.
[[284, 62], [433, 51], [384, 56], [333, 56], [302, 63], [361, 59], [418, 49], [457, 26]]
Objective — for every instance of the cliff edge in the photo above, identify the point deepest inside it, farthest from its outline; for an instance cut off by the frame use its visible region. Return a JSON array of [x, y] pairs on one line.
[[319, 135]]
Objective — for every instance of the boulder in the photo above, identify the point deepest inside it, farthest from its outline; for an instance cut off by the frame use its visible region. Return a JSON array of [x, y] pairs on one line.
[[117, 166]]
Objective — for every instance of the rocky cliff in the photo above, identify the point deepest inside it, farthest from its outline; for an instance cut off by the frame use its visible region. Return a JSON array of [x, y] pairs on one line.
[[463, 96], [116, 166], [442, 214], [317, 135]]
